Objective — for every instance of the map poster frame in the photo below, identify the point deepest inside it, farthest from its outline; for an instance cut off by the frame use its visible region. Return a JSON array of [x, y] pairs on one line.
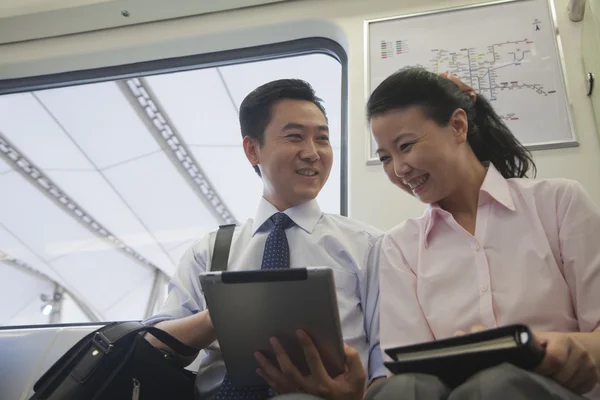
[[570, 141]]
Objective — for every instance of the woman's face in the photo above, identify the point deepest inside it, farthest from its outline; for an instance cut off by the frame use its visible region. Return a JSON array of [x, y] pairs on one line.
[[418, 155]]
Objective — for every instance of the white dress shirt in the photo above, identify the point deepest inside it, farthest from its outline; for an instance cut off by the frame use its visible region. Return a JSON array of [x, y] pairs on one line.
[[349, 247]]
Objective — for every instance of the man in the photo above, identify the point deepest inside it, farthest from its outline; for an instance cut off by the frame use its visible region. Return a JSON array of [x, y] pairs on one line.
[[286, 139]]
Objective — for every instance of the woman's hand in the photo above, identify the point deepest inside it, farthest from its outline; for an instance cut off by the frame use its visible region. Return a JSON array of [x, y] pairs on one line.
[[466, 89], [567, 362]]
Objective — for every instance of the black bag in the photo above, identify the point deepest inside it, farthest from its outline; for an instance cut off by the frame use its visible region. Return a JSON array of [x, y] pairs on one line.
[[115, 362]]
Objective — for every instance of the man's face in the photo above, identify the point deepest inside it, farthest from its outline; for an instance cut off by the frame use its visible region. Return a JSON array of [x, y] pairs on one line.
[[295, 157]]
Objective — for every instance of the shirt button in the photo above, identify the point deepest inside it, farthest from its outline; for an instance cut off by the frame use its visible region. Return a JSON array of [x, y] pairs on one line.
[[484, 288], [475, 246]]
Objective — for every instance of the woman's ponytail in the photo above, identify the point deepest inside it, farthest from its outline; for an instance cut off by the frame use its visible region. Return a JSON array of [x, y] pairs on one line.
[[491, 140]]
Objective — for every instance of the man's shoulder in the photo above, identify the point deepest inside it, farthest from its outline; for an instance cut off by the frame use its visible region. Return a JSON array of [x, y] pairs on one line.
[[205, 242], [351, 226]]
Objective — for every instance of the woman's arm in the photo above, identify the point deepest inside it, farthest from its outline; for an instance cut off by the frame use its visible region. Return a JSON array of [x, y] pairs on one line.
[[572, 358], [401, 318]]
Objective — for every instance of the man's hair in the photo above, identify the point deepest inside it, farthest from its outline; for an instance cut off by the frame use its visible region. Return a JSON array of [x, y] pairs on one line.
[[255, 111]]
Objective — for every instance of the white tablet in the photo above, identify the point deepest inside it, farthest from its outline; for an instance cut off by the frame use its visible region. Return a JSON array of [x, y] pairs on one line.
[[249, 307]]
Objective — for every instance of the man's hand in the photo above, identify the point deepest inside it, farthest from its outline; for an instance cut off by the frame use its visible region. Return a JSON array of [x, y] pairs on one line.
[[349, 385], [567, 362]]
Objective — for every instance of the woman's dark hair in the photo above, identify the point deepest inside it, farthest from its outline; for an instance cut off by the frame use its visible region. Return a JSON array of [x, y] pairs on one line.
[[488, 136]]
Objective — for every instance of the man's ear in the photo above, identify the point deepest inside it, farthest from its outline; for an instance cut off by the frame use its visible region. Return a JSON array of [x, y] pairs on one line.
[[460, 124], [252, 150]]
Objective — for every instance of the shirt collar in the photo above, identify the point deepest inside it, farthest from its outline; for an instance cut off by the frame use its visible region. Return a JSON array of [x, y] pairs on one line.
[[494, 185], [305, 215]]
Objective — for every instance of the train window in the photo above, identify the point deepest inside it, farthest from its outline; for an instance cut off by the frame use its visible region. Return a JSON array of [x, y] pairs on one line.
[[105, 185]]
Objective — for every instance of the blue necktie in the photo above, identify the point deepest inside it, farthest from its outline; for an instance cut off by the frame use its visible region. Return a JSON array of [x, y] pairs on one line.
[[276, 255], [277, 251]]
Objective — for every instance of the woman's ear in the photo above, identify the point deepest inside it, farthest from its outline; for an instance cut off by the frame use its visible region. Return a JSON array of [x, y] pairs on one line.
[[251, 149], [460, 125]]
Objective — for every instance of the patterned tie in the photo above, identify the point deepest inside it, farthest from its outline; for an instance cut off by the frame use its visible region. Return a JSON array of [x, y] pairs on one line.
[[276, 255], [277, 251]]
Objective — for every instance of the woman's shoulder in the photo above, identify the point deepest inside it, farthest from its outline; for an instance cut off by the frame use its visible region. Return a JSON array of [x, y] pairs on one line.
[[546, 189], [410, 228]]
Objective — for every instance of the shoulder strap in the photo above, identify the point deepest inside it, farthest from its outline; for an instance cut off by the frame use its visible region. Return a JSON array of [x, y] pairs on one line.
[[222, 246], [112, 334]]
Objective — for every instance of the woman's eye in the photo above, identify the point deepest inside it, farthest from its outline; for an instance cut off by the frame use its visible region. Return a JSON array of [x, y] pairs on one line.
[[406, 146]]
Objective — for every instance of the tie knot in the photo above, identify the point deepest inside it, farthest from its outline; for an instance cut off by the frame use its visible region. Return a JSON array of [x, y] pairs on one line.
[[281, 220]]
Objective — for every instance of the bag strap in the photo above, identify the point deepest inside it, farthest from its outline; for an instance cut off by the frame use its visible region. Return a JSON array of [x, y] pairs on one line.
[[177, 346], [112, 334], [222, 246]]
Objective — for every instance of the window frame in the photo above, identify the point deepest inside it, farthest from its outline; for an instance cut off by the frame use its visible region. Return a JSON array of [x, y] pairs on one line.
[[306, 46]]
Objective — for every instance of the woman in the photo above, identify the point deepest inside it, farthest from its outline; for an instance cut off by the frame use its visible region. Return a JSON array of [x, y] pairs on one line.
[[492, 249]]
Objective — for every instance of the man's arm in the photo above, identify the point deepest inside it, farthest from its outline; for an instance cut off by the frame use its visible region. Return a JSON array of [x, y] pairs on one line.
[[195, 330], [370, 305], [184, 314]]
